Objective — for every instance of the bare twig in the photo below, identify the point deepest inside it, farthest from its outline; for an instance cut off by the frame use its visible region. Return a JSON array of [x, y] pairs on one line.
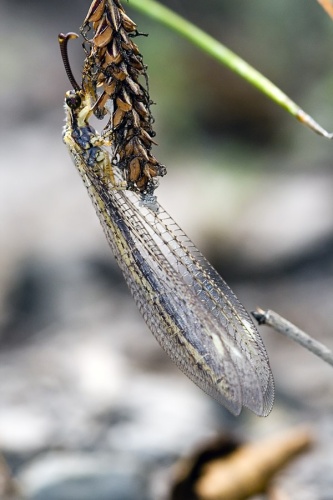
[[281, 325]]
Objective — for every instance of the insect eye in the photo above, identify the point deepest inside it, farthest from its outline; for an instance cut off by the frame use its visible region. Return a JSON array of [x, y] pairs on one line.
[[73, 100]]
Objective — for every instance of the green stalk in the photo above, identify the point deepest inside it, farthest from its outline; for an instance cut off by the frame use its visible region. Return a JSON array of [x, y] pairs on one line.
[[225, 56]]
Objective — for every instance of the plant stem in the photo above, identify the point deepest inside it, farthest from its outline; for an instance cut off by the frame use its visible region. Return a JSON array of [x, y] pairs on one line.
[[218, 51]]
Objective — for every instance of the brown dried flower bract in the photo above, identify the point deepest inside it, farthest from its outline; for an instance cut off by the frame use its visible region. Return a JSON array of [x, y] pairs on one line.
[[112, 72]]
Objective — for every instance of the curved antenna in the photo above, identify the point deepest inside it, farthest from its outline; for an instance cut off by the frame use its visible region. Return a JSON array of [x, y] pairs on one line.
[[63, 41]]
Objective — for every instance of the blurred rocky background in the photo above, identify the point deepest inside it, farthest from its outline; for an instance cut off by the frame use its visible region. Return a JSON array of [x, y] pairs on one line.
[[90, 407]]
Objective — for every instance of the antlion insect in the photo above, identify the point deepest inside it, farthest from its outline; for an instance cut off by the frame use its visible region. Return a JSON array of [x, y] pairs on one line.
[[191, 311]]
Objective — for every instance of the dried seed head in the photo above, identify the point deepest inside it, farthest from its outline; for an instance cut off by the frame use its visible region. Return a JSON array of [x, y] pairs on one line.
[[113, 62]]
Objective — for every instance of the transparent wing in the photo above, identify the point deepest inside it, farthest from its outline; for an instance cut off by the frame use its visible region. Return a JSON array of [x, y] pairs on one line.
[[191, 311]]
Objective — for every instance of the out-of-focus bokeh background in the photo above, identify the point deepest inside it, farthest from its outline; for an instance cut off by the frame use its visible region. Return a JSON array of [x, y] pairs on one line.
[[90, 407]]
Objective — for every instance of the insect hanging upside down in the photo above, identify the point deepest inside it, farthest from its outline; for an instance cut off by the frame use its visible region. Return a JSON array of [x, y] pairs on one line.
[[189, 308], [84, 143]]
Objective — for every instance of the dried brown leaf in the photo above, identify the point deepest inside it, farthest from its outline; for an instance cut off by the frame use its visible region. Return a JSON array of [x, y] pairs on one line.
[[249, 469]]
